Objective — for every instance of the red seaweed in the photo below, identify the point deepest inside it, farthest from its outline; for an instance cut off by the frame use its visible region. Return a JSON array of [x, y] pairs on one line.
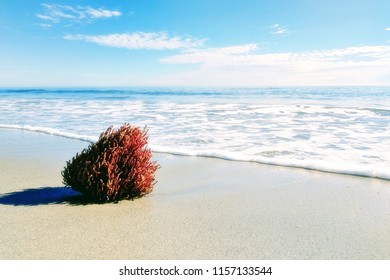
[[118, 166]]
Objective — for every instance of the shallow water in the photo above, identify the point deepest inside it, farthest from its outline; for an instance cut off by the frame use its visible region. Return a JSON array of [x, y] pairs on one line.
[[342, 130]]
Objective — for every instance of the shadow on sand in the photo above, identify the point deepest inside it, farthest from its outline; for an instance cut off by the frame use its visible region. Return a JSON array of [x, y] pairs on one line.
[[43, 196]]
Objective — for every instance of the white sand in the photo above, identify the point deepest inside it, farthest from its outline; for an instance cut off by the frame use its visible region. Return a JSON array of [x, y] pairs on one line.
[[201, 208]]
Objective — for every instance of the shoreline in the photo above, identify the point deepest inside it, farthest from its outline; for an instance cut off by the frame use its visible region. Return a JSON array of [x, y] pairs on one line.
[[180, 152], [201, 208]]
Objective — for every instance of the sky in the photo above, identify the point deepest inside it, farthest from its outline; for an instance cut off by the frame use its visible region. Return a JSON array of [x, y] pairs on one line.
[[228, 43]]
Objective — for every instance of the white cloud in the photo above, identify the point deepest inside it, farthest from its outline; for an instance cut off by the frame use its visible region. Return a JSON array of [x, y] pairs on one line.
[[211, 56], [277, 29], [100, 13], [244, 55], [247, 67], [140, 40], [45, 25], [387, 29], [46, 17], [57, 13]]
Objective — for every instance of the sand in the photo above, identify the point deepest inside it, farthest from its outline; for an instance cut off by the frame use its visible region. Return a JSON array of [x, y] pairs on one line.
[[201, 208]]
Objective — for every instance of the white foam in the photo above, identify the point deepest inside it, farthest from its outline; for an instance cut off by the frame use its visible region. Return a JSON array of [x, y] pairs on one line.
[[305, 133], [332, 167], [51, 131]]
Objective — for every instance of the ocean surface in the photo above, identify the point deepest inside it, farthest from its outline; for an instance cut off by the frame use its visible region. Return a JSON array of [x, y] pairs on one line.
[[337, 129]]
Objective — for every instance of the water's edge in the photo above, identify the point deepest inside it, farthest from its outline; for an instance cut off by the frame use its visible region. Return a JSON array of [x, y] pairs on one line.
[[222, 155]]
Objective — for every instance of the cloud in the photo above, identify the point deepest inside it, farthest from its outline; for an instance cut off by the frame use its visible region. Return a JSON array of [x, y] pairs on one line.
[[57, 13], [247, 66], [44, 25], [100, 13], [212, 56], [387, 29], [245, 55], [140, 40], [277, 29]]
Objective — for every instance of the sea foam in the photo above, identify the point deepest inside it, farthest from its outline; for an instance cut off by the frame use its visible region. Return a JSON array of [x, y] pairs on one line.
[[341, 130]]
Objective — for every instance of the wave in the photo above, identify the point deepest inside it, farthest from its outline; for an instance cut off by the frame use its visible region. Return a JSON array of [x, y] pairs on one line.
[[332, 167], [124, 91], [51, 131], [317, 93]]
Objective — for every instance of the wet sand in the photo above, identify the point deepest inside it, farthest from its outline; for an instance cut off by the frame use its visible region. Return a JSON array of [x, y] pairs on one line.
[[201, 208]]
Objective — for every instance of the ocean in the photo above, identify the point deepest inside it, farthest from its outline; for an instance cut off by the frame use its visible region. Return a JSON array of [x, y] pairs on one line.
[[334, 129]]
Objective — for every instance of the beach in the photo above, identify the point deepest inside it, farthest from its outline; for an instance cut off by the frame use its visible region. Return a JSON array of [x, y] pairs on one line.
[[201, 208]]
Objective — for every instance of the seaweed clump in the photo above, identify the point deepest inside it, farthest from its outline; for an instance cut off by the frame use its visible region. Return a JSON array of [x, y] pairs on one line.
[[118, 166]]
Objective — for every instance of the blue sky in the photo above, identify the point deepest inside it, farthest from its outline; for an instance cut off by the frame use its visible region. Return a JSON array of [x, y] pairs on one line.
[[121, 43]]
